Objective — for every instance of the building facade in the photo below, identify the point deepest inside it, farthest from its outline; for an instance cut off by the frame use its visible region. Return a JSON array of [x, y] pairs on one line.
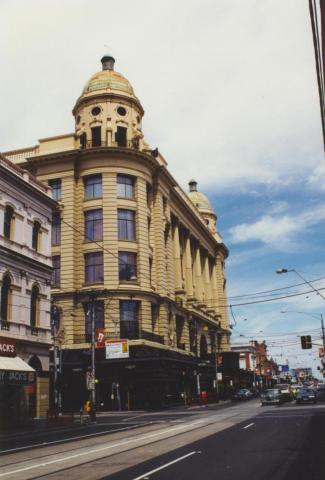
[[134, 257], [25, 278]]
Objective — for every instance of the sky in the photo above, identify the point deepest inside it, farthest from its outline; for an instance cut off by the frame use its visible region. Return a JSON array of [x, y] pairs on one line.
[[230, 97]]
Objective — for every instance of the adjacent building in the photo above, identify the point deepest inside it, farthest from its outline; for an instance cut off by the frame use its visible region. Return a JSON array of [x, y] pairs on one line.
[[25, 278], [134, 257]]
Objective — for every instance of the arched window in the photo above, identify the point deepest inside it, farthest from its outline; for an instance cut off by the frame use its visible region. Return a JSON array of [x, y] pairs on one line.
[[34, 307], [5, 301], [35, 363], [8, 222], [36, 236]]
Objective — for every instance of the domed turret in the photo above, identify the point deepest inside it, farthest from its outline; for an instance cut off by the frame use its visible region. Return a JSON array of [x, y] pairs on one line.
[[108, 113], [203, 205]]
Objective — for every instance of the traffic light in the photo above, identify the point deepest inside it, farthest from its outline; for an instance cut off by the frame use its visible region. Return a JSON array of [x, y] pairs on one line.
[[305, 342]]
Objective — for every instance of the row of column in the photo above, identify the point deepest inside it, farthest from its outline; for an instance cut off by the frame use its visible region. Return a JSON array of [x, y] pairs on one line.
[[196, 273]]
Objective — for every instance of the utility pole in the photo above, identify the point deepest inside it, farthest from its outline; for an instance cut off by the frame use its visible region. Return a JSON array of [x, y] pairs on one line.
[[323, 330], [54, 325], [93, 364]]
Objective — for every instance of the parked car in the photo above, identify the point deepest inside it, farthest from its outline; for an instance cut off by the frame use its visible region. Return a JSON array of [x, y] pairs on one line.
[[286, 392], [242, 394], [271, 396], [306, 395]]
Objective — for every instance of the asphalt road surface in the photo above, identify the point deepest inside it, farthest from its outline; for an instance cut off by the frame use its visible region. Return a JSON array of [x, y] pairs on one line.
[[244, 441]]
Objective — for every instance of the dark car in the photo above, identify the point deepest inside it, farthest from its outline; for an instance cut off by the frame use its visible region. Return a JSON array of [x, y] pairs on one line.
[[306, 396], [242, 394], [272, 396]]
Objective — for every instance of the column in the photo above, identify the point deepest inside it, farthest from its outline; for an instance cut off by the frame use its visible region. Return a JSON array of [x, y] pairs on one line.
[[177, 258], [188, 268]]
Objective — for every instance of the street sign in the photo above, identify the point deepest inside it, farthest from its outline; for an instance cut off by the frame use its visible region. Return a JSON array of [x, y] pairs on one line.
[[117, 349], [219, 376], [90, 381]]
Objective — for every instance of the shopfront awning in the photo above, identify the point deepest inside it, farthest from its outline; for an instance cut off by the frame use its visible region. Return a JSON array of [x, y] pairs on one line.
[[15, 363], [14, 371]]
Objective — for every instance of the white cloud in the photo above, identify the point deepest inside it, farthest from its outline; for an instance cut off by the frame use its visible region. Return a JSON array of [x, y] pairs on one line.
[[280, 232], [229, 88], [317, 179]]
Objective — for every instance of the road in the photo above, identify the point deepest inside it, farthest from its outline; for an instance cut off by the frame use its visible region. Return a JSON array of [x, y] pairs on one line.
[[243, 441]]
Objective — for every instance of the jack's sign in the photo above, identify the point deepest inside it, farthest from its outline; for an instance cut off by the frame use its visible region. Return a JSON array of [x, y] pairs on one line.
[[7, 347]]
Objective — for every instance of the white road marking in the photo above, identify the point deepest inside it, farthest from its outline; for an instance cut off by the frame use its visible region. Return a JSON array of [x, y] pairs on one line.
[[249, 425], [165, 466], [101, 449]]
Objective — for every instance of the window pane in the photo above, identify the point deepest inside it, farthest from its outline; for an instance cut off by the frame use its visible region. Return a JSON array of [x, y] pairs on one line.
[[93, 186], [94, 225], [56, 229], [56, 276], [127, 266], [125, 186], [129, 325], [56, 188], [94, 267], [126, 225]]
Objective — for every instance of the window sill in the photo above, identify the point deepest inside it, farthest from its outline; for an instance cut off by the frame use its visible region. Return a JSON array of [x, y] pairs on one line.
[[88, 284]]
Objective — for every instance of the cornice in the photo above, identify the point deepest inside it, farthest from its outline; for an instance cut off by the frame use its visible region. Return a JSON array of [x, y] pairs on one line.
[[103, 96]]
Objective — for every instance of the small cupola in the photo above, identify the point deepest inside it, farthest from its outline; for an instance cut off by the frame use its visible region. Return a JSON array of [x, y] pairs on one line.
[[192, 185], [107, 62]]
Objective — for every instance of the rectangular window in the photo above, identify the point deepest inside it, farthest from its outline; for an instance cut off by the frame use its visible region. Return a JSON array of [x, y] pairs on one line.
[[94, 269], [36, 234], [83, 140], [56, 188], [125, 186], [56, 275], [129, 321], [127, 265], [95, 309], [120, 136], [96, 140], [126, 224], [94, 225], [93, 186], [56, 229]]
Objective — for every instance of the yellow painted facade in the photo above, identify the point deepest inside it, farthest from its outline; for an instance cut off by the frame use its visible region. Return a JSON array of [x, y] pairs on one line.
[[180, 256]]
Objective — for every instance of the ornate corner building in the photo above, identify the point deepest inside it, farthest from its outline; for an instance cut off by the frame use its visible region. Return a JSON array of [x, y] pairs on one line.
[[132, 254]]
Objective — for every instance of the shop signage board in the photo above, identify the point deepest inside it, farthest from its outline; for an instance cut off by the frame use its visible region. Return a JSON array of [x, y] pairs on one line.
[[12, 377], [100, 338], [7, 347], [117, 349]]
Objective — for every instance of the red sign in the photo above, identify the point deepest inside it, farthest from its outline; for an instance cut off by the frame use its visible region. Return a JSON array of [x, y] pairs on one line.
[[7, 347], [321, 352], [100, 337]]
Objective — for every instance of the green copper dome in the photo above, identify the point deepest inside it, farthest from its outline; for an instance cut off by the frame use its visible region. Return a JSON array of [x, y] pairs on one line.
[[198, 198], [108, 80]]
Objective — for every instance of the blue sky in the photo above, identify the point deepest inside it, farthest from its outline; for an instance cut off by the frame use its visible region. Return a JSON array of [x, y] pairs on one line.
[[230, 95]]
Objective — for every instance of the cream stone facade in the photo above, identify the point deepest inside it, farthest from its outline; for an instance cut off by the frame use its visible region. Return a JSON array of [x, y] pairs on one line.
[[25, 279], [130, 244]]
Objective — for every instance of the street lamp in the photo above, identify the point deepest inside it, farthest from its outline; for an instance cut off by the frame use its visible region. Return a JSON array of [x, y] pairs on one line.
[[285, 270]]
